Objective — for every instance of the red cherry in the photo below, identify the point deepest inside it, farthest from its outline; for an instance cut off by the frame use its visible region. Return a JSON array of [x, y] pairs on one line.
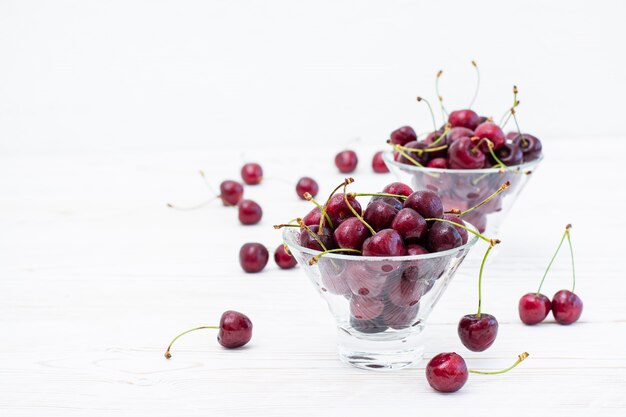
[[253, 257], [378, 165], [231, 192], [307, 185], [284, 259], [346, 161], [463, 118], [566, 307], [250, 212], [447, 372], [534, 308], [492, 132], [252, 173]]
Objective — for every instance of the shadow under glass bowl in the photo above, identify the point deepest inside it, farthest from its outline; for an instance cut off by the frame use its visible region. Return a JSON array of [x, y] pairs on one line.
[[380, 304], [464, 188]]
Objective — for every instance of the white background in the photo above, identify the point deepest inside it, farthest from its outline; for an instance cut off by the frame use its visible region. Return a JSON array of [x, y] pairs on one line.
[[108, 109]]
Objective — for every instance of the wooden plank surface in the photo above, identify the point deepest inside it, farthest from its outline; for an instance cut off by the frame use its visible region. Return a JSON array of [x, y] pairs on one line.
[[96, 276]]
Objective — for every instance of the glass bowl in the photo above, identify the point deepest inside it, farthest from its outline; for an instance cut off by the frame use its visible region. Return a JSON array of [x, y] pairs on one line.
[[464, 188], [380, 304]]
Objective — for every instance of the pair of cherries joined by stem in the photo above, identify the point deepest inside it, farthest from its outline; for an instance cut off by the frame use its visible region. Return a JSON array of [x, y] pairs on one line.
[[566, 306], [235, 330]]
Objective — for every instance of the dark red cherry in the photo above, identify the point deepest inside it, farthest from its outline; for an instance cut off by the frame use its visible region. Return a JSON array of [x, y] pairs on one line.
[[415, 249], [459, 132], [249, 212], [410, 224], [510, 154], [325, 236], [533, 308], [463, 118], [462, 232], [463, 154], [379, 215], [378, 164], [392, 201], [387, 242], [530, 146], [492, 132], [284, 259], [403, 135], [478, 333], [307, 185], [253, 257], [338, 210], [231, 192], [351, 234], [346, 161], [566, 307], [252, 173], [447, 372], [421, 158], [440, 163], [398, 188], [426, 203], [443, 236], [235, 329], [313, 217]]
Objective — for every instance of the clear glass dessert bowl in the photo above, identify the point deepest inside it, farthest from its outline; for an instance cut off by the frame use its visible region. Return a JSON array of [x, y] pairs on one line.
[[464, 188], [380, 304]]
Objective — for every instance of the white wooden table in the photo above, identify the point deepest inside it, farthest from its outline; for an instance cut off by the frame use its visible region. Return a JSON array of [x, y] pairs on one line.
[[97, 275]]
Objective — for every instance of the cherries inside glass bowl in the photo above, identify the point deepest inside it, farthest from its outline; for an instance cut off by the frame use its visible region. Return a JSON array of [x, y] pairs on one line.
[[463, 188], [380, 304]]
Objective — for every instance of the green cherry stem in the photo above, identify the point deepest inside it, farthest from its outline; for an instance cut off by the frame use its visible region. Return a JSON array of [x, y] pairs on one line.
[[323, 217], [480, 280], [312, 233], [477, 84], [565, 234], [571, 254], [519, 360], [503, 187], [432, 115], [400, 196], [317, 257], [430, 148], [167, 352], [398, 149], [492, 242], [510, 111], [307, 196], [358, 216], [206, 182], [444, 113]]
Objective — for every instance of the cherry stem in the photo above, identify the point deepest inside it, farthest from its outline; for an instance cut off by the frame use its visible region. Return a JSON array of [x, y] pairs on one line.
[[358, 216], [398, 149], [519, 360], [515, 120], [432, 115], [421, 151], [400, 196], [317, 257], [311, 232], [571, 253], [197, 206], [167, 352], [436, 141], [206, 182], [566, 233], [492, 242], [480, 280], [307, 196], [444, 113], [323, 217], [511, 111], [503, 187], [480, 142], [477, 84]]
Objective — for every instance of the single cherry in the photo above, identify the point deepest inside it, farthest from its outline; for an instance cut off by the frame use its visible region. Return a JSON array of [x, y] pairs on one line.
[[459, 132], [283, 258], [379, 215], [378, 164], [442, 237], [250, 212], [253, 257], [403, 135], [566, 307], [463, 118], [346, 161], [531, 146], [464, 154], [439, 163], [398, 188], [313, 217], [411, 225], [510, 154], [231, 192], [235, 330], [351, 234], [338, 210], [426, 203], [252, 173], [413, 154], [312, 238], [387, 242], [456, 219], [307, 185], [533, 308], [491, 131]]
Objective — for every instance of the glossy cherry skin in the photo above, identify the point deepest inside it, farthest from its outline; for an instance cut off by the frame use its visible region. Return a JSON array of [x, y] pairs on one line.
[[456, 219], [443, 236], [253, 257], [392, 201], [478, 333], [231, 192], [307, 185], [250, 212], [534, 308], [491, 131], [379, 215], [378, 164], [398, 188], [387, 242], [403, 135], [252, 173], [421, 158], [440, 163], [346, 161], [312, 217], [459, 132], [410, 224], [530, 146], [338, 210], [462, 154], [566, 307], [463, 118], [447, 372], [426, 203], [351, 234], [284, 259], [510, 154], [325, 236], [235, 329]]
